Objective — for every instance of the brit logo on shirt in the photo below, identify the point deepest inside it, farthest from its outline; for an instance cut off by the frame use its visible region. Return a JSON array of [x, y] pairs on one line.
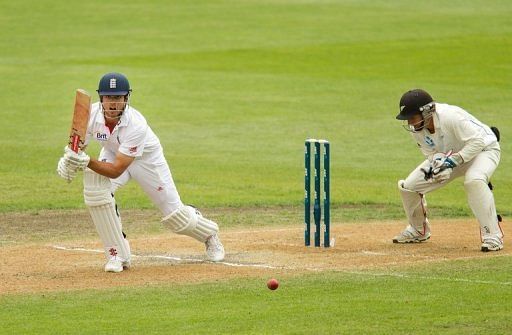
[[133, 150], [101, 136], [429, 141]]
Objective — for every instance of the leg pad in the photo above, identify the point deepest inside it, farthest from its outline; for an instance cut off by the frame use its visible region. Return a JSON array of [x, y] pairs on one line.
[[186, 220], [102, 207]]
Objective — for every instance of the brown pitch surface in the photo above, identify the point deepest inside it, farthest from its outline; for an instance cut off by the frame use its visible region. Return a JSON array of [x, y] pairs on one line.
[[32, 259]]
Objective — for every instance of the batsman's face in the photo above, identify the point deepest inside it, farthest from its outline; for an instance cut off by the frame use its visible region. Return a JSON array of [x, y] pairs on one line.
[[113, 105]]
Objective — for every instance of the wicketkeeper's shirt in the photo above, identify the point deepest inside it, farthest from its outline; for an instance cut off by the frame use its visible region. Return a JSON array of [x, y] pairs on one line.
[[458, 131]]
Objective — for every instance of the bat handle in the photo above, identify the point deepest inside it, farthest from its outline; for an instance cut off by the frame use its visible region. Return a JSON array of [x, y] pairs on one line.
[[75, 140]]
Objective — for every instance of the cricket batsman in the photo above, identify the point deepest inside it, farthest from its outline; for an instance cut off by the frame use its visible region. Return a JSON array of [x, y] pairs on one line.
[[130, 150], [455, 144]]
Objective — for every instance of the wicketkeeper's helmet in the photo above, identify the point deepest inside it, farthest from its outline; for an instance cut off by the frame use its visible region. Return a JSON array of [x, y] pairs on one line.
[[114, 84], [414, 102]]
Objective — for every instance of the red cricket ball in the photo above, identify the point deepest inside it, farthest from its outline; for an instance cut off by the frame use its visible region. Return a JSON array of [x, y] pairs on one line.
[[272, 284]]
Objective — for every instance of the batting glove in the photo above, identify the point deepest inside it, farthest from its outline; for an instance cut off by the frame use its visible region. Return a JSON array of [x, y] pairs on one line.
[[76, 161], [64, 171]]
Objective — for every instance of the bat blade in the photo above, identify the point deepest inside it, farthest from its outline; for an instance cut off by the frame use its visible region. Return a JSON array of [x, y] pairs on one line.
[[80, 120]]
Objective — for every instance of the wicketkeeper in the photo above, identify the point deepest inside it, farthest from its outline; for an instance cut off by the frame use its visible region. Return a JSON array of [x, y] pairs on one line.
[[130, 150], [455, 144]]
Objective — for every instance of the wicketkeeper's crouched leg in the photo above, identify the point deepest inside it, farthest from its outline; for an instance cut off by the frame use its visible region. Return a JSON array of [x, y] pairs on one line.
[[481, 199], [415, 206], [187, 220], [413, 190], [481, 202], [101, 205]]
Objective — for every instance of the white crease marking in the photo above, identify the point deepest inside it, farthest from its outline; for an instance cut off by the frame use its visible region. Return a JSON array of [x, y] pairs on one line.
[[360, 273], [177, 259], [365, 252]]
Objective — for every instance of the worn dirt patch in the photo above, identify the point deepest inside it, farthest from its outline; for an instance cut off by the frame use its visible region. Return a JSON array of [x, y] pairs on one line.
[[60, 261]]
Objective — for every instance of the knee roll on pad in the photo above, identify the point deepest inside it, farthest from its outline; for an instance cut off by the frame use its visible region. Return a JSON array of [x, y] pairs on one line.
[[96, 189], [186, 220], [102, 208]]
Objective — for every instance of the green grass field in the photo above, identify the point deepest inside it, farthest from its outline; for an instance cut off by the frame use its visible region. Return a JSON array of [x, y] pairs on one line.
[[232, 89], [335, 303]]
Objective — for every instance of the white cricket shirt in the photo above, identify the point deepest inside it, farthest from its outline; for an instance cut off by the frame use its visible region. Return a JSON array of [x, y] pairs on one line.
[[456, 130], [132, 136]]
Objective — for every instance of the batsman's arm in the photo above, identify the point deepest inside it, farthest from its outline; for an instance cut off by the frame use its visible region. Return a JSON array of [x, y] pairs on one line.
[[111, 170]]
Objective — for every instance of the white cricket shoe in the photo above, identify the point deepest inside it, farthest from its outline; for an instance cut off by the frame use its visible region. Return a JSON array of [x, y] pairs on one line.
[[412, 235], [214, 248], [492, 244], [116, 264]]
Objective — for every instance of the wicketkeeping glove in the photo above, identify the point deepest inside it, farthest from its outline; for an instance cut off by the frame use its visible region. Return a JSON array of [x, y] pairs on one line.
[[441, 167], [447, 160], [442, 174]]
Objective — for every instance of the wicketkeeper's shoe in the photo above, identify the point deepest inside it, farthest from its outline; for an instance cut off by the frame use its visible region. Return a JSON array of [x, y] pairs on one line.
[[492, 244], [412, 235], [214, 248], [116, 264]]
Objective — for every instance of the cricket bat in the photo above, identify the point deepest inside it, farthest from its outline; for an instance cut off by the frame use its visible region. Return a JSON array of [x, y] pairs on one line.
[[80, 120]]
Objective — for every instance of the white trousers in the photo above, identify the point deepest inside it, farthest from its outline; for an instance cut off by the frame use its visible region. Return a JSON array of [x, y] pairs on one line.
[[153, 175], [477, 174]]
